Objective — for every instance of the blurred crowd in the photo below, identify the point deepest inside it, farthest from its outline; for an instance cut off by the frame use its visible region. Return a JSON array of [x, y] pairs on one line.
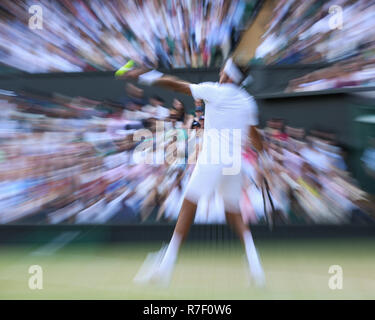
[[340, 33], [349, 73], [309, 179], [72, 160], [82, 35]]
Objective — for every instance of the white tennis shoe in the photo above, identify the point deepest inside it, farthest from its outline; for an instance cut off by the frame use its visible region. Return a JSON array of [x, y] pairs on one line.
[[153, 272], [256, 270]]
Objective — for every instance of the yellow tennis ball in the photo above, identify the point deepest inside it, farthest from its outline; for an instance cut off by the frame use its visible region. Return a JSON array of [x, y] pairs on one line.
[[125, 68]]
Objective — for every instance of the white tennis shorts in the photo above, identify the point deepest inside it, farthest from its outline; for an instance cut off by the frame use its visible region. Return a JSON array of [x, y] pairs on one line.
[[206, 178]]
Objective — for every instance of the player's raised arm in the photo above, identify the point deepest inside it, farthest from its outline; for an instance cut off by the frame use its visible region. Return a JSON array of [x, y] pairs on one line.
[[153, 77], [175, 84]]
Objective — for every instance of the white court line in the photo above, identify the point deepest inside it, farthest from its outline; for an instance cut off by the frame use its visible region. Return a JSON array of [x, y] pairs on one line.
[[56, 244]]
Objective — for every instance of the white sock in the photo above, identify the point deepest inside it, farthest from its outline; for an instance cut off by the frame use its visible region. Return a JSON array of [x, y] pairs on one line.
[[170, 256], [251, 253]]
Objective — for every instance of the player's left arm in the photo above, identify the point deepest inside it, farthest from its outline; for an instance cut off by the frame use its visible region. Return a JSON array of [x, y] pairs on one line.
[[165, 81], [174, 84]]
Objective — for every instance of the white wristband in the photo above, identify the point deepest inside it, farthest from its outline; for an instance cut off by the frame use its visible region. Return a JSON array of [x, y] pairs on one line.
[[150, 77]]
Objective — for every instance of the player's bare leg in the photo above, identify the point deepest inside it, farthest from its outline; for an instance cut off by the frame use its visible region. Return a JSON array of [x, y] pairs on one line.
[[185, 219], [159, 266], [243, 231]]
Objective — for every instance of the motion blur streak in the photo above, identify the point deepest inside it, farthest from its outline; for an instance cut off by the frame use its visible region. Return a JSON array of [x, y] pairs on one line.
[[70, 160], [102, 35], [340, 33]]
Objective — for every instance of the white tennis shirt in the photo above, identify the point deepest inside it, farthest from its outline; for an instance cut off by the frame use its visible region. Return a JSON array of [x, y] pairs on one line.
[[229, 111]]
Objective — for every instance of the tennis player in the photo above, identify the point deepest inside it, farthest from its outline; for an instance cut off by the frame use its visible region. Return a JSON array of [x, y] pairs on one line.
[[231, 117]]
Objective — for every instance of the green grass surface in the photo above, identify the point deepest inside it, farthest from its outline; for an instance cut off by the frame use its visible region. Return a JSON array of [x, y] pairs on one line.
[[294, 270]]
